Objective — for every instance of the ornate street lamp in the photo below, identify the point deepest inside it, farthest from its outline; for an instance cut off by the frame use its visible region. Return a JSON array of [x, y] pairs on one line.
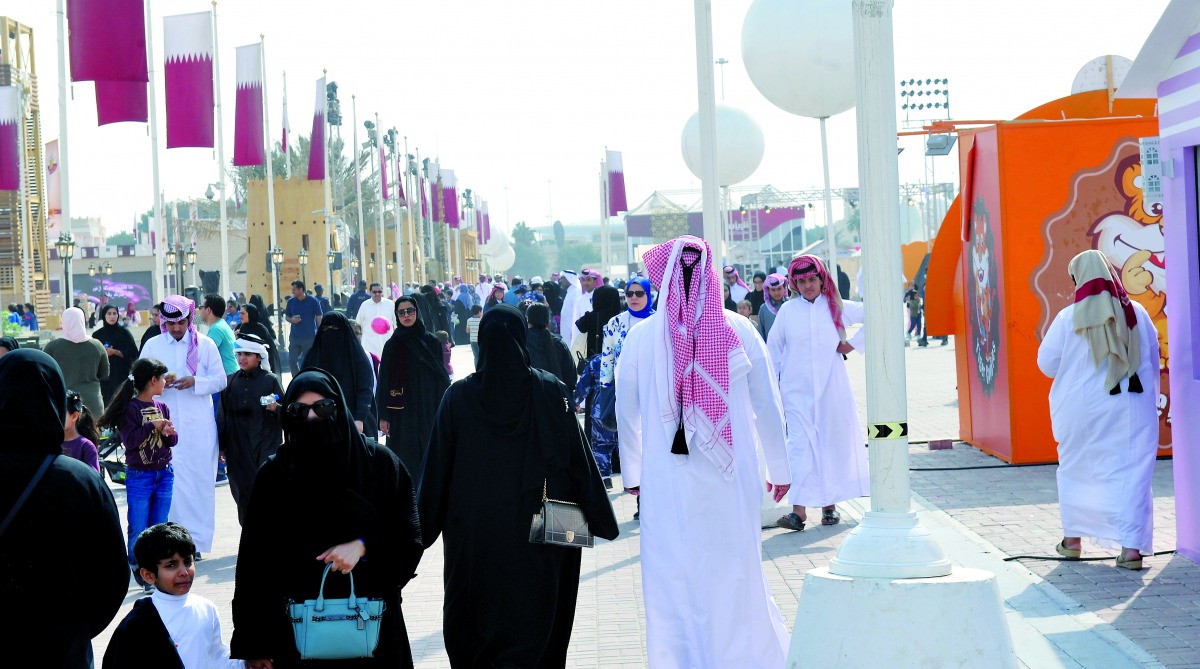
[[277, 261], [329, 258], [303, 258], [191, 260], [65, 246], [171, 258]]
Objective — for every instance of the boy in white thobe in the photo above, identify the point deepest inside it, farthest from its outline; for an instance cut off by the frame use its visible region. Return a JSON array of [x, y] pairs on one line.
[[1102, 352], [826, 443], [194, 373], [708, 605]]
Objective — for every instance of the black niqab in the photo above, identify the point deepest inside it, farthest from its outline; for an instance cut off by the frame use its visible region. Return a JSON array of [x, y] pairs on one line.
[[503, 371], [341, 451], [336, 350], [33, 403]]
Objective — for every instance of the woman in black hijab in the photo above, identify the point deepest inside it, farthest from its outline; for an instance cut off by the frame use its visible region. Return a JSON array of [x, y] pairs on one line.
[[328, 492], [264, 314], [606, 303], [8, 345], [336, 349], [252, 323], [70, 508], [412, 379], [503, 436], [119, 345]]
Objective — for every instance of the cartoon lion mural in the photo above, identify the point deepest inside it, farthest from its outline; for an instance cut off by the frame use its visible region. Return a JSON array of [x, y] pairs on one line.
[[985, 308]]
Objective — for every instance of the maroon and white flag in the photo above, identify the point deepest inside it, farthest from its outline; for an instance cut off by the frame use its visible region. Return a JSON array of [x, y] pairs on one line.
[[121, 101], [450, 198], [487, 224], [316, 148], [10, 138], [248, 142], [107, 40], [188, 51], [616, 183], [287, 127]]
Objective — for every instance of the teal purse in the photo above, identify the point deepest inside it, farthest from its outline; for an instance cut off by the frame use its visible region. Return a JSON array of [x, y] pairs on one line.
[[336, 629]]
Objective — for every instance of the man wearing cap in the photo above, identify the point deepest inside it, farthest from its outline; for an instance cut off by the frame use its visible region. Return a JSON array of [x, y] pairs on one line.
[[825, 441], [194, 373], [320, 297], [376, 308], [355, 302]]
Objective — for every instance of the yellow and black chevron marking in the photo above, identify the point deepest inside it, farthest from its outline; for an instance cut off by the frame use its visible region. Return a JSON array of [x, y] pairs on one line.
[[887, 431]]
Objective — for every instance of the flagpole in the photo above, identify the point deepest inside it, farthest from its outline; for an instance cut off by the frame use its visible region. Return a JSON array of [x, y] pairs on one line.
[[151, 100], [604, 215], [362, 235], [63, 163], [327, 182], [274, 241], [426, 246], [287, 159], [226, 283], [412, 215], [399, 223]]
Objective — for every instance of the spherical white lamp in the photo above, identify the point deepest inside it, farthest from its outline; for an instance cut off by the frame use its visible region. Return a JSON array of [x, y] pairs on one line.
[[800, 54], [503, 260], [739, 149]]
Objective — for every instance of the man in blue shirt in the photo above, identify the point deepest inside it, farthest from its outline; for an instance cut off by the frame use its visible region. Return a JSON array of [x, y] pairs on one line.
[[356, 300], [304, 313], [320, 295]]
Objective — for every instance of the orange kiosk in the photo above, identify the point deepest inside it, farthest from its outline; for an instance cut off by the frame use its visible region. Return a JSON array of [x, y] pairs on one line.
[[1035, 191]]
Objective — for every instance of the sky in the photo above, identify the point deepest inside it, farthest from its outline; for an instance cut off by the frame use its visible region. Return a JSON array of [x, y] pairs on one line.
[[521, 98]]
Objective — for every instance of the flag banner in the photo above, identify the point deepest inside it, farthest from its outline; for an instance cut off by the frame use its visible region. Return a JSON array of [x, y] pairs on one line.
[[616, 183], [10, 138], [121, 101], [435, 191], [450, 198], [287, 127], [383, 172], [188, 52], [53, 192], [487, 224], [400, 197], [248, 146], [478, 218], [107, 40], [424, 200], [316, 147]]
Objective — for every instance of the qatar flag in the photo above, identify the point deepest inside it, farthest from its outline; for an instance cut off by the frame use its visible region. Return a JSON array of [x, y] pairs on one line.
[[10, 138], [487, 224], [107, 40], [121, 101], [316, 147], [450, 198], [424, 200], [248, 144], [188, 50], [616, 183]]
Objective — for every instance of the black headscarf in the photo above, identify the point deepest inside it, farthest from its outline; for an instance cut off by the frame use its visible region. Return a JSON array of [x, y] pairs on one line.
[[324, 449], [33, 403], [117, 336], [606, 303], [260, 313], [261, 329], [9, 343], [411, 348], [336, 349]]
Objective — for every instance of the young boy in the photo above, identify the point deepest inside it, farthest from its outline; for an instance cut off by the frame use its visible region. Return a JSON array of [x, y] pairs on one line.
[[171, 627], [473, 329], [248, 427]]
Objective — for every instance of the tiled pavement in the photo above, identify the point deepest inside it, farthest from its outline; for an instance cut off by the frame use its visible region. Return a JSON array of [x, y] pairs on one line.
[[1061, 614]]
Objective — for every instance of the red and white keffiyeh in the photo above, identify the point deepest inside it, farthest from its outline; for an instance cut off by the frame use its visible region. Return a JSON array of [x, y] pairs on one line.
[[802, 267], [773, 281], [731, 271], [699, 340], [176, 308], [1104, 316]]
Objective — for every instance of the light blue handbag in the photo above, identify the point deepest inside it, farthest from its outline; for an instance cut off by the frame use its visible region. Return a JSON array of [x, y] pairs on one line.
[[336, 629]]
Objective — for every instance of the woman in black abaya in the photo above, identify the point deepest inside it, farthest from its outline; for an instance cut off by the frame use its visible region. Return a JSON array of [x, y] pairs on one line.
[[606, 303], [412, 379], [336, 349], [364, 523], [119, 345], [501, 435]]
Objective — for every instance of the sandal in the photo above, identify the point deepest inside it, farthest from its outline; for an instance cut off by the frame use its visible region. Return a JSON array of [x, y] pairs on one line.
[[830, 517], [1062, 550], [792, 521], [1134, 565]]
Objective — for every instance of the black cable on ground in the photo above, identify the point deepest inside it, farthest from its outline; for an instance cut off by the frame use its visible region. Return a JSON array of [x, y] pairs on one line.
[[1059, 558], [1005, 466]]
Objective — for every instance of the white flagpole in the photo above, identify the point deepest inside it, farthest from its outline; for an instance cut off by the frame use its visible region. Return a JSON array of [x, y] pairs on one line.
[[23, 191], [226, 282], [327, 183], [287, 158], [362, 235], [604, 214], [399, 222], [152, 101], [413, 213], [63, 163], [426, 246], [274, 241], [380, 265]]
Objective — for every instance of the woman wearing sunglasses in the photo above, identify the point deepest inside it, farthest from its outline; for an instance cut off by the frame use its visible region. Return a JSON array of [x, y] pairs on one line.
[[412, 379], [328, 496]]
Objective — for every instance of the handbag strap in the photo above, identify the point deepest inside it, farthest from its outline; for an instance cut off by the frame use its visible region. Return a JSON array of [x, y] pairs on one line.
[[37, 477], [321, 594]]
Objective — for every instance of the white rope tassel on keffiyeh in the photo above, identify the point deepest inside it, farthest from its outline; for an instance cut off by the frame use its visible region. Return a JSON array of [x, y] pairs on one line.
[[247, 346]]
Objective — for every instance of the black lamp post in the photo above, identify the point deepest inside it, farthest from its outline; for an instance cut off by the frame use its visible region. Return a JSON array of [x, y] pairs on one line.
[[277, 261], [191, 258], [171, 257], [65, 246], [303, 258], [329, 258]]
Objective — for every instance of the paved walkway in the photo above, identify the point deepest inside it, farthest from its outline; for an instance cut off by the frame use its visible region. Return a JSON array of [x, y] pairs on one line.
[[1086, 614]]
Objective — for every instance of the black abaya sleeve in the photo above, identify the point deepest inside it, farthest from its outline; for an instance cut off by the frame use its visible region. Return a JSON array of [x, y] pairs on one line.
[[438, 469], [396, 540], [587, 483], [566, 364], [363, 397], [260, 627]]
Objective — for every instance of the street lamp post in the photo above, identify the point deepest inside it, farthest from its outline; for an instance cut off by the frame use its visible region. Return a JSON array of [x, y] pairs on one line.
[[65, 246], [191, 260], [329, 258], [277, 261], [303, 258], [171, 258], [353, 268]]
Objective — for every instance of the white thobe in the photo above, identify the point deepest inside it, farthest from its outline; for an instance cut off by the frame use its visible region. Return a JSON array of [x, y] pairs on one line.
[[737, 292], [482, 291], [582, 305], [194, 626], [372, 341], [194, 458], [1106, 443], [708, 604], [826, 442]]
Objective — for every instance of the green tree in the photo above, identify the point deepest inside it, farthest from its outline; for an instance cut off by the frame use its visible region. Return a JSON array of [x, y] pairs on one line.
[[576, 255], [531, 260], [120, 239]]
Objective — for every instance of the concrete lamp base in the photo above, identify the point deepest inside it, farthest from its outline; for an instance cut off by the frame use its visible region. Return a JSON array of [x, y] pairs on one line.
[[890, 545], [877, 622]]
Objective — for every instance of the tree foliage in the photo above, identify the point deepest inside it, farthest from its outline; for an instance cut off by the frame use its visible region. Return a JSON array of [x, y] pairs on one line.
[[531, 260], [577, 255]]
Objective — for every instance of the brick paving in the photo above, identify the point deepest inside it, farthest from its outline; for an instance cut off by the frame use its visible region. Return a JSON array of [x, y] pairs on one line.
[[1014, 509]]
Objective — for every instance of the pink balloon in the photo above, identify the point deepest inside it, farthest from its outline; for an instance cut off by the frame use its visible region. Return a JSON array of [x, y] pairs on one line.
[[380, 325]]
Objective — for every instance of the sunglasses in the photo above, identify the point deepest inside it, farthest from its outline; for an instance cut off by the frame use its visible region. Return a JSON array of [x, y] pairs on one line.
[[324, 409], [405, 312], [377, 292], [635, 293]]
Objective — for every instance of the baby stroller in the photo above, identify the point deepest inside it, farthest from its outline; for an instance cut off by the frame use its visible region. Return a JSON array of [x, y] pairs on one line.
[[112, 455]]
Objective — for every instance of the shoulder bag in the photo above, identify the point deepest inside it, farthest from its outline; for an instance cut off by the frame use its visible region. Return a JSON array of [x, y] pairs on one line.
[[336, 629], [560, 523]]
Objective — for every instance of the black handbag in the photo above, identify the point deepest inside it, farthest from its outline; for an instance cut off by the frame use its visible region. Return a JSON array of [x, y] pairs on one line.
[[604, 407], [560, 523]]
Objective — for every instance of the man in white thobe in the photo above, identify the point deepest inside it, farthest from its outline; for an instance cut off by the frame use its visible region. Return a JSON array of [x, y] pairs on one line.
[[1102, 352], [588, 280], [569, 281], [826, 442], [708, 604], [376, 307], [194, 373], [483, 288], [738, 290]]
